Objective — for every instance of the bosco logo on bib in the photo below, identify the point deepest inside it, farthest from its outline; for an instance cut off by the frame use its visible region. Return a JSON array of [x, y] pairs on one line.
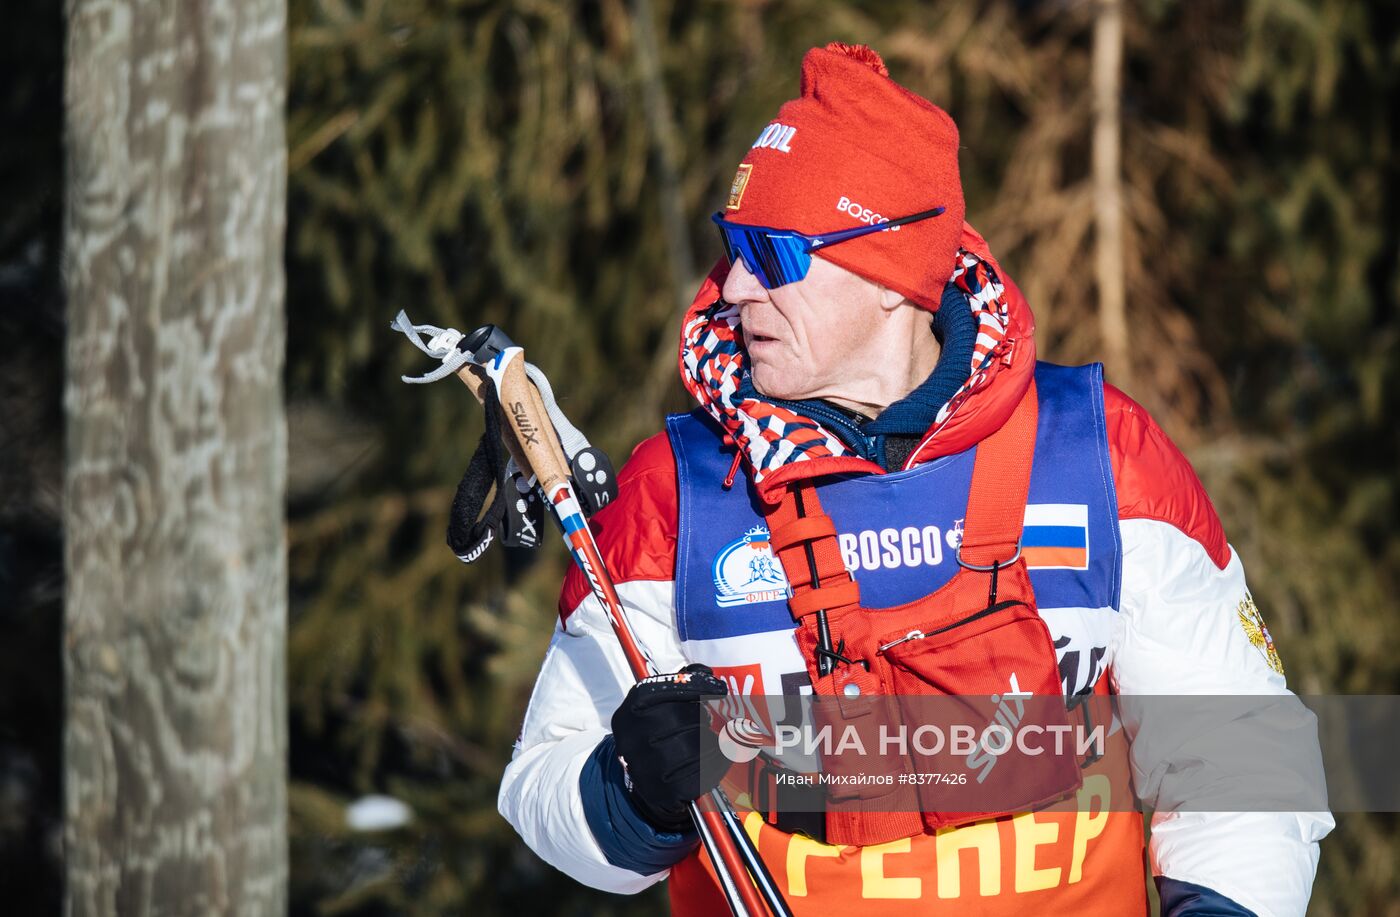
[[891, 549]]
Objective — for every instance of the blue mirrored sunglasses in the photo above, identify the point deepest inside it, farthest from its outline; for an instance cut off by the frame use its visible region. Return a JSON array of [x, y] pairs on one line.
[[781, 256]]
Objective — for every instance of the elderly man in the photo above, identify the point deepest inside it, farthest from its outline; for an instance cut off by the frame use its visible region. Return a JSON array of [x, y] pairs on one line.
[[867, 365]]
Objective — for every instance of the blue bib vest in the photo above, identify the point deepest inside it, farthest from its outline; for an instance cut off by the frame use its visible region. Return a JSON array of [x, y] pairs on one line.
[[898, 535]]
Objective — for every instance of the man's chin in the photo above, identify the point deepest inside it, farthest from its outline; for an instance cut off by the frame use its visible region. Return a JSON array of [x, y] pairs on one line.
[[771, 383]]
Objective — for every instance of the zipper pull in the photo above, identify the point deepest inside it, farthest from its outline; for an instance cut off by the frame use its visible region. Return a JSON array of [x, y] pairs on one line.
[[733, 471], [729, 440], [912, 635]]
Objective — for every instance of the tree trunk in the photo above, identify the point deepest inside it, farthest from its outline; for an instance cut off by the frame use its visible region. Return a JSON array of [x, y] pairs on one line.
[[175, 741], [1108, 188]]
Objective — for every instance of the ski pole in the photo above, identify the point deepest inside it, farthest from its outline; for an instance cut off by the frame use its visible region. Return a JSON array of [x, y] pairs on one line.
[[533, 442]]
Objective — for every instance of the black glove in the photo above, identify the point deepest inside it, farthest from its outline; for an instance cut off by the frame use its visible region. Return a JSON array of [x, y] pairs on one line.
[[669, 753]]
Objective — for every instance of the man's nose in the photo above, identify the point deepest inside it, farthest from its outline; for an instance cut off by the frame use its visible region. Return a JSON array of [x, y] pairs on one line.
[[741, 285]]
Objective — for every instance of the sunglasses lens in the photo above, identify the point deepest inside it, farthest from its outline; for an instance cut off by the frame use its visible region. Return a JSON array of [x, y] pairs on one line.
[[729, 251], [773, 258]]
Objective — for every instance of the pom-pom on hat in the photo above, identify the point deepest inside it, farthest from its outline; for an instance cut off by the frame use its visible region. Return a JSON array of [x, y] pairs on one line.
[[855, 148]]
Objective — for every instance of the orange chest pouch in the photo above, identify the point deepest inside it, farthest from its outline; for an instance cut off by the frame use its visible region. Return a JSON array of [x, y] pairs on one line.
[[934, 688]]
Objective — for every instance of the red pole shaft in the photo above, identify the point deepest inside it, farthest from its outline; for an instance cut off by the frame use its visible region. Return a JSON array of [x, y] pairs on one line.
[[588, 558]]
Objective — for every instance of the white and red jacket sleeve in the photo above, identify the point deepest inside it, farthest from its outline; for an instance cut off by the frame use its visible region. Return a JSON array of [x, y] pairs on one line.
[[1179, 632], [584, 676]]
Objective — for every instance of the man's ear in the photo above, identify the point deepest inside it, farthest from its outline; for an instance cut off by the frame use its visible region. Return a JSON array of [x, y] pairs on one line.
[[891, 299]]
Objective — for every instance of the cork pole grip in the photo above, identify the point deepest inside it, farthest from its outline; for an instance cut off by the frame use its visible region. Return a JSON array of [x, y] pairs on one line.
[[529, 422], [541, 414]]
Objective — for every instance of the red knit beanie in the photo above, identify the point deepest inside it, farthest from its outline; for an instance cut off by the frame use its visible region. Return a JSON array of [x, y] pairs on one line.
[[854, 148]]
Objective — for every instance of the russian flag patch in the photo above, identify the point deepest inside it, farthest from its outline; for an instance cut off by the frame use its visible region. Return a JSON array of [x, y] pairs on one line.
[[1056, 536]]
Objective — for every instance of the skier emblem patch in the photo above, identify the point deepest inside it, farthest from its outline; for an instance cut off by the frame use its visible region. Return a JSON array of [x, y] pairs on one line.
[[748, 572]]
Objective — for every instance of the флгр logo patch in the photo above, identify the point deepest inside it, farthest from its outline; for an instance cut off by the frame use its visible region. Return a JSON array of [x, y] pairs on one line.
[[747, 572]]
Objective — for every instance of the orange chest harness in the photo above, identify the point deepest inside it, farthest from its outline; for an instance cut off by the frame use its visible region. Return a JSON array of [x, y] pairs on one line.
[[876, 669]]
